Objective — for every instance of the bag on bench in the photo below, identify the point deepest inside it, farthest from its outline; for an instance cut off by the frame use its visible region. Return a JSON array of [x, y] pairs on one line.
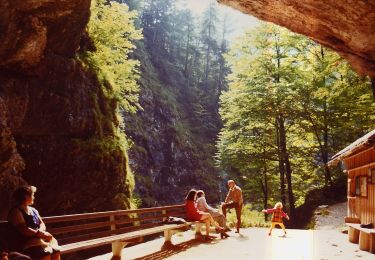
[[370, 225], [174, 220]]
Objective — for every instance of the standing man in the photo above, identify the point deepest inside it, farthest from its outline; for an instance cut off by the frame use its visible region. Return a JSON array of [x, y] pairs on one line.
[[234, 200]]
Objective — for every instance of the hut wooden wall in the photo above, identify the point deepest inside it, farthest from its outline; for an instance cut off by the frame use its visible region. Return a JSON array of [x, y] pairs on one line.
[[359, 165]]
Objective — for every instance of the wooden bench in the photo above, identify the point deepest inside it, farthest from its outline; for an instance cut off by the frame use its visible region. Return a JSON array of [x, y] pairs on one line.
[[119, 228], [364, 236]]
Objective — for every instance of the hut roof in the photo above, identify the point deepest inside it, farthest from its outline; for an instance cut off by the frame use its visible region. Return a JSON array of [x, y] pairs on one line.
[[360, 143]]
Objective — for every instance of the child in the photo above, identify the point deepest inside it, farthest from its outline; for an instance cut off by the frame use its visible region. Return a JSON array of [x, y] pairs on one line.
[[277, 218]]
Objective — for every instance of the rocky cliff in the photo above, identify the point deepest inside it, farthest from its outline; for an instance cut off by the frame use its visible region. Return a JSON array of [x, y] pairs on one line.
[[168, 156], [347, 27], [57, 128]]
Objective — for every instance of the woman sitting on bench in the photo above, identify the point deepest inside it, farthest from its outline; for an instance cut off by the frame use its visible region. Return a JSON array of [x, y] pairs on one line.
[[193, 214], [26, 221]]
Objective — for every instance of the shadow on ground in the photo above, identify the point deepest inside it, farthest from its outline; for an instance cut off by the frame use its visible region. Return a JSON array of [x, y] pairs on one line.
[[170, 250]]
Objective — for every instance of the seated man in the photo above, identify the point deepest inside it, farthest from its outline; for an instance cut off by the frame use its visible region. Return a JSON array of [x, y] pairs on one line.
[[234, 200]]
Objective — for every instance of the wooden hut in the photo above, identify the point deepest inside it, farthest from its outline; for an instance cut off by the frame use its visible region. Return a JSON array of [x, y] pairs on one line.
[[358, 161]]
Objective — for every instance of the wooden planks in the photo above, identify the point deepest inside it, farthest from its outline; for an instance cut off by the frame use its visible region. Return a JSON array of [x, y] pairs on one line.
[[359, 165], [82, 231], [64, 218], [73, 247]]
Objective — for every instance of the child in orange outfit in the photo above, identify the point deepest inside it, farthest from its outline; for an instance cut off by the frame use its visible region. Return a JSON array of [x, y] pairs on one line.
[[277, 217]]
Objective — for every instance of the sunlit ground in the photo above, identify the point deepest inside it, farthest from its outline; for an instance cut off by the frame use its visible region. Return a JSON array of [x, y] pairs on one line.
[[254, 244]]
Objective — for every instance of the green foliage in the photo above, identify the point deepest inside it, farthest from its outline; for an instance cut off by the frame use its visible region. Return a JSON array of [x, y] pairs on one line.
[[323, 104], [180, 111], [250, 218], [111, 28], [112, 32]]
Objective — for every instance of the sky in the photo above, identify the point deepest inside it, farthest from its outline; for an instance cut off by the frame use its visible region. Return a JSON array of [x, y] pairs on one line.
[[241, 21]]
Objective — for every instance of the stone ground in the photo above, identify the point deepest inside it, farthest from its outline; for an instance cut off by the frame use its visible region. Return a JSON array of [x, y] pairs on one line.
[[252, 243], [326, 242]]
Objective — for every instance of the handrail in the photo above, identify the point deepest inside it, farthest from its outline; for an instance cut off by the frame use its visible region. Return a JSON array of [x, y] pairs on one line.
[[64, 218]]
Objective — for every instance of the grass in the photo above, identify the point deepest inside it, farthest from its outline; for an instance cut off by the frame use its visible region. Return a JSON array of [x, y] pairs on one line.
[[250, 218]]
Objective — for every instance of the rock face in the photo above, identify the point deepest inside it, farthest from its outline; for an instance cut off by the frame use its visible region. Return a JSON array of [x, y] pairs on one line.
[[166, 156], [57, 128], [347, 27]]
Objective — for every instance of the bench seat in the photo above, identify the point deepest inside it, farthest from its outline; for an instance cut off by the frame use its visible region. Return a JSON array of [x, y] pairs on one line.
[[73, 247], [119, 228], [364, 236]]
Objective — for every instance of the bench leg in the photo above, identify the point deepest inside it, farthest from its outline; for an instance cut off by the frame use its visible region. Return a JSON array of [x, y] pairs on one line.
[[168, 237], [198, 232], [372, 243], [353, 235], [364, 241], [117, 248]]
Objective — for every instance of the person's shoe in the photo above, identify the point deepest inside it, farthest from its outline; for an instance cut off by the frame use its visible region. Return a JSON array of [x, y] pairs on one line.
[[217, 230], [227, 229], [269, 234], [238, 230], [223, 235], [207, 238]]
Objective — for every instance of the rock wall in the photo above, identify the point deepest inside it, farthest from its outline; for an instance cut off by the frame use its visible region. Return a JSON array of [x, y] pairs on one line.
[[347, 27], [58, 131], [168, 158]]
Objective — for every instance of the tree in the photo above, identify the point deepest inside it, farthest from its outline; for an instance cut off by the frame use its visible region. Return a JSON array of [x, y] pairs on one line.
[[112, 30], [287, 102]]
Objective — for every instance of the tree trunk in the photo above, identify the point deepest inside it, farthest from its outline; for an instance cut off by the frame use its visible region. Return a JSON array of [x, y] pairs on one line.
[[327, 172], [207, 67], [281, 166], [264, 184], [187, 51], [288, 168]]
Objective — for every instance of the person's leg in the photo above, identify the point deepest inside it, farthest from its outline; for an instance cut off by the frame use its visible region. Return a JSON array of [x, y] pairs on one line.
[[55, 256], [272, 226], [283, 227], [206, 218], [238, 215], [37, 252], [224, 209], [221, 220], [207, 222], [17, 256], [226, 206], [214, 223]]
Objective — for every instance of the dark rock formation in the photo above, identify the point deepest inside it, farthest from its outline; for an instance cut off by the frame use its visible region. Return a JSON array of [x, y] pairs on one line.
[[347, 27], [57, 128]]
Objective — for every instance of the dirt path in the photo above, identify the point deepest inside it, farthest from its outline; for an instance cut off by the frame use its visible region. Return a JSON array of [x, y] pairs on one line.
[[331, 217]]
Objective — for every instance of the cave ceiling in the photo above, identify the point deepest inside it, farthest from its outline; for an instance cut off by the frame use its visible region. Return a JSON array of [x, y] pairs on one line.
[[345, 26]]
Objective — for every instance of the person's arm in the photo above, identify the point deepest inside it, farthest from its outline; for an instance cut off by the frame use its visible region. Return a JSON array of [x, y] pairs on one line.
[[228, 197], [17, 220], [268, 211], [208, 207], [240, 197], [42, 226], [285, 215]]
